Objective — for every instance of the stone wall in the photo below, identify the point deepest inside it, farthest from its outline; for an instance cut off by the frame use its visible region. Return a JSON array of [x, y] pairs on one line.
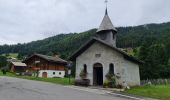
[[128, 70]]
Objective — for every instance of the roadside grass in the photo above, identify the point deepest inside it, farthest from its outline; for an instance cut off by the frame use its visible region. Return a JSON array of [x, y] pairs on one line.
[[161, 92], [7, 74], [62, 81]]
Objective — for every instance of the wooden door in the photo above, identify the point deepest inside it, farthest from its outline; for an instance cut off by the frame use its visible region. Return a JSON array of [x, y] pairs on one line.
[[97, 74], [44, 74]]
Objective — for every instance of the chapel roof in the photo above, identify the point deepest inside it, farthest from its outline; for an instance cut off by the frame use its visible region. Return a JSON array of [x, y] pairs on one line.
[[106, 25], [93, 40]]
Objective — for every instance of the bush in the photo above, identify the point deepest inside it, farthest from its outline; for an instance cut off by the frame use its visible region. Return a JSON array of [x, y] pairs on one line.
[[110, 82], [3, 71], [83, 74], [82, 82], [105, 84], [109, 76]]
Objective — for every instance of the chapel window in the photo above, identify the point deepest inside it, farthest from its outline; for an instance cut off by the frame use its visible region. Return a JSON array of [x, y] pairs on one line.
[[111, 68], [85, 68]]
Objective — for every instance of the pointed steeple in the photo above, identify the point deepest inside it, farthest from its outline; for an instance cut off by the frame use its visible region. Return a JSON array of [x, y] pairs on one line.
[[106, 13], [107, 32], [106, 24]]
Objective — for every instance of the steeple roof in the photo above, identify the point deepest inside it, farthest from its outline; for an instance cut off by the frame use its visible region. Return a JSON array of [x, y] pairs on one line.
[[106, 24]]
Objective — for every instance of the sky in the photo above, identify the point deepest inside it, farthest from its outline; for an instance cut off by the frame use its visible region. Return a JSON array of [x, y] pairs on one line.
[[23, 21]]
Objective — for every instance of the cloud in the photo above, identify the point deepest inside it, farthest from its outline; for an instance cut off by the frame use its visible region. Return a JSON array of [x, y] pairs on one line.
[[27, 20]]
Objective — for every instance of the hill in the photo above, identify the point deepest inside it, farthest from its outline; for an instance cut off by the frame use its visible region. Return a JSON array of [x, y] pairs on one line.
[[65, 44]]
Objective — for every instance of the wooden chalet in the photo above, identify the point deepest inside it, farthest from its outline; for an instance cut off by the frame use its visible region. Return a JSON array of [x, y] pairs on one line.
[[17, 67], [45, 66]]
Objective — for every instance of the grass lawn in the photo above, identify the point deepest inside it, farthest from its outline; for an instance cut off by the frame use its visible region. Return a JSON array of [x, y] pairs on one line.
[[62, 81], [8, 74], [161, 92], [11, 55]]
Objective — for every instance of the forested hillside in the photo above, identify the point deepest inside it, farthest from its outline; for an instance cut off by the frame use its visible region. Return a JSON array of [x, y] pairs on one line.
[[149, 43], [66, 44]]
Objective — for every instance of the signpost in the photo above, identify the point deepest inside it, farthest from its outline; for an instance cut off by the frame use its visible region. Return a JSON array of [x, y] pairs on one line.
[[69, 65]]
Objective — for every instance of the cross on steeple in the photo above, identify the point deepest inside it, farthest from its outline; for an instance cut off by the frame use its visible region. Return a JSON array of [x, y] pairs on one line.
[[106, 1]]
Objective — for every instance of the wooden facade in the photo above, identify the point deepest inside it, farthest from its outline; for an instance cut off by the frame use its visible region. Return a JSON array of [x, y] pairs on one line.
[[17, 67], [41, 62]]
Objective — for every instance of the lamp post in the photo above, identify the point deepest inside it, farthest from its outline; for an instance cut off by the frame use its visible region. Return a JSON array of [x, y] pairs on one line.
[[69, 65]]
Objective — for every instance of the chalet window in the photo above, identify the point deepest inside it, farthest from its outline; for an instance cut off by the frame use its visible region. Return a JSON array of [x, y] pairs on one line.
[[98, 55], [85, 68], [59, 73], [53, 73], [111, 68]]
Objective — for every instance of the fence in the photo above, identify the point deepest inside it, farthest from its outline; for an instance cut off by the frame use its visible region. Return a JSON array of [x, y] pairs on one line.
[[156, 81]]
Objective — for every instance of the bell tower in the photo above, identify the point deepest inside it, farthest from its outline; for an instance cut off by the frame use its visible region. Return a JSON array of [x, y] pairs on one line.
[[106, 31]]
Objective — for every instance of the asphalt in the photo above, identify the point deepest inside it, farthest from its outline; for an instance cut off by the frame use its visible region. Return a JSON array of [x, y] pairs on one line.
[[21, 89]]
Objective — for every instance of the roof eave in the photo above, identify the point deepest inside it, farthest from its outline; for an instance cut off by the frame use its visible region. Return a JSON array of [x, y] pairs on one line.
[[135, 60], [61, 62], [101, 31]]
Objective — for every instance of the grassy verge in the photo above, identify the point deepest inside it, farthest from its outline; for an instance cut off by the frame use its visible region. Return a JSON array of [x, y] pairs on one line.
[[161, 92], [62, 81]]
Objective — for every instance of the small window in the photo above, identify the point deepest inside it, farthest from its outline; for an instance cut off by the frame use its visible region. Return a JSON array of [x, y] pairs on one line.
[[98, 55], [85, 68], [59, 73], [103, 36], [111, 69], [53, 73]]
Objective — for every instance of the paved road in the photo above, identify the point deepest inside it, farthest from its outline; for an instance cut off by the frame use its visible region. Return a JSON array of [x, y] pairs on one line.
[[21, 89]]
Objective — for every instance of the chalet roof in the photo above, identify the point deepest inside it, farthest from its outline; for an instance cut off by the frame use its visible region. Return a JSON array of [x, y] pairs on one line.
[[48, 58], [106, 24], [18, 64], [93, 40]]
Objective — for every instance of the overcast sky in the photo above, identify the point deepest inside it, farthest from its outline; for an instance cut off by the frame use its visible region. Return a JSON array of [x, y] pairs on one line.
[[28, 20]]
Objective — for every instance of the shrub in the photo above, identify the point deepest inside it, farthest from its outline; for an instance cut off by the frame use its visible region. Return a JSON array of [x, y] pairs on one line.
[[3, 71], [109, 76], [110, 82], [105, 84], [83, 74]]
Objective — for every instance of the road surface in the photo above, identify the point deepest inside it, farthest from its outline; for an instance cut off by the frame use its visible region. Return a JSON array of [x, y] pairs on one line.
[[21, 89]]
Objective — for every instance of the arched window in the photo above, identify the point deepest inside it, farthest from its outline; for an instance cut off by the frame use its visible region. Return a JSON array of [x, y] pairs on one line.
[[85, 68], [111, 68]]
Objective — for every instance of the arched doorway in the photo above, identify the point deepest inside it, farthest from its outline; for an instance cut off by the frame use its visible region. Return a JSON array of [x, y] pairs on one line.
[[44, 74], [97, 74]]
